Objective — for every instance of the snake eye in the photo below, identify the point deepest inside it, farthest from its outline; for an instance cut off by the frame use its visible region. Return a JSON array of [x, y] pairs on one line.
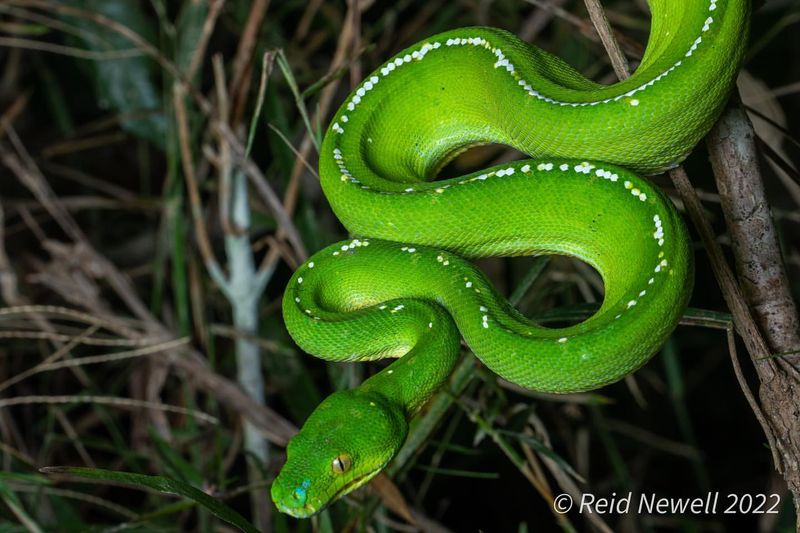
[[341, 463]]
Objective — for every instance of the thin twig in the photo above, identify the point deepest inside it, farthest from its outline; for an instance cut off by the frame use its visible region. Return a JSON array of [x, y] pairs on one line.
[[240, 79], [600, 21], [214, 9], [80, 53], [265, 191], [107, 400], [214, 269], [762, 421], [779, 386]]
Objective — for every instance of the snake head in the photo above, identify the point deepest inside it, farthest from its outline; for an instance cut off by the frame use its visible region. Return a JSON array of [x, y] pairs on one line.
[[348, 439]]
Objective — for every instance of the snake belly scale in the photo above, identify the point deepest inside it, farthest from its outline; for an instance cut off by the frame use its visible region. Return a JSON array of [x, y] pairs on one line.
[[403, 286]]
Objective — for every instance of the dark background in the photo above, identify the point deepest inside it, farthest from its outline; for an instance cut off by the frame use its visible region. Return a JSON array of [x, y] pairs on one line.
[[103, 132]]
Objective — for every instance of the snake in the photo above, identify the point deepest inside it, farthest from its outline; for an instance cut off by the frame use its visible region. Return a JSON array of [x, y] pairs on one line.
[[404, 286]]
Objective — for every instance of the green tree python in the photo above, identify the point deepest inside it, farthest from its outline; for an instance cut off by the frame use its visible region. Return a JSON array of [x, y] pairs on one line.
[[403, 288]]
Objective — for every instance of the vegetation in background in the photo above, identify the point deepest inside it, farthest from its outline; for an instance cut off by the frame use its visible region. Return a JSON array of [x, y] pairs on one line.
[[158, 185]]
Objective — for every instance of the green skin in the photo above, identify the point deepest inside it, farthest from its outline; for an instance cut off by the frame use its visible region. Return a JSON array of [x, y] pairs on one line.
[[404, 289]]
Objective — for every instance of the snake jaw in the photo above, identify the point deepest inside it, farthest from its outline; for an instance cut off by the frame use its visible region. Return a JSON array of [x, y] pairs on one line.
[[301, 512], [313, 507]]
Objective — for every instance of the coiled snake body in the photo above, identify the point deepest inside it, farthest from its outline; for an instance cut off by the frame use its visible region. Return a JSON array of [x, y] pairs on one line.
[[402, 286]]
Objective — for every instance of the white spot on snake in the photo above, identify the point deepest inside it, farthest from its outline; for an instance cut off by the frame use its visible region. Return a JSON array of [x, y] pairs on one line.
[[631, 303], [311, 264], [430, 325], [651, 281], [468, 284], [300, 280], [382, 306], [483, 309], [564, 167], [297, 299], [642, 293], [502, 61], [562, 339]]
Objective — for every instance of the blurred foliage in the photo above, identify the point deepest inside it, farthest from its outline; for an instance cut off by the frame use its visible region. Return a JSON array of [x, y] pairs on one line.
[[96, 113]]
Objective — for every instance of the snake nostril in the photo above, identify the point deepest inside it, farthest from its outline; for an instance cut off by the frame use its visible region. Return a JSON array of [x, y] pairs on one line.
[[299, 495]]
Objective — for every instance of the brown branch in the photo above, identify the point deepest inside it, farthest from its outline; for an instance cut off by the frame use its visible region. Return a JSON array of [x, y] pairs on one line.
[[747, 212], [759, 265], [618, 60], [762, 274], [242, 63], [191, 364], [214, 9], [189, 175], [325, 102]]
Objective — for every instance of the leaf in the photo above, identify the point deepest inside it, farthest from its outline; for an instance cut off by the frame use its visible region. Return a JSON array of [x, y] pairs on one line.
[[391, 497], [10, 498], [161, 484], [124, 85], [174, 464]]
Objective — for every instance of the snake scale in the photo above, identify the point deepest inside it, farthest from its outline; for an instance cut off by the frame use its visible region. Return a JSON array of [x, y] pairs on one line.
[[403, 287]]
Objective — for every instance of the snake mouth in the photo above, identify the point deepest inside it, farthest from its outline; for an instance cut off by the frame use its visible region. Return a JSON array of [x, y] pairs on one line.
[[296, 512], [309, 509], [353, 484]]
